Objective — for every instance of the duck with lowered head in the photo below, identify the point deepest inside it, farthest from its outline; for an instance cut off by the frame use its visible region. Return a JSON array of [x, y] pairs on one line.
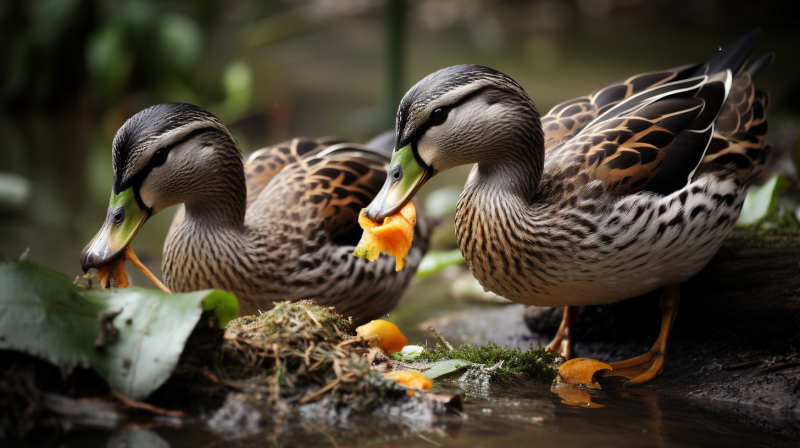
[[280, 226], [609, 196]]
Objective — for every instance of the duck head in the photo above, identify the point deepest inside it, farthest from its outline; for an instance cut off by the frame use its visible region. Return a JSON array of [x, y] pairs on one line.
[[458, 115], [165, 155]]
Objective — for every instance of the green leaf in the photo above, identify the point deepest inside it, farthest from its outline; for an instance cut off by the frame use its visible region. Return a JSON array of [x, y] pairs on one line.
[[436, 260], [444, 367], [761, 201], [408, 353], [42, 313]]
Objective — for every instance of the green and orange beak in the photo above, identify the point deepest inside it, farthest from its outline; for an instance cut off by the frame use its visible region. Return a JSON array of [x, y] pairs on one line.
[[406, 175], [125, 217]]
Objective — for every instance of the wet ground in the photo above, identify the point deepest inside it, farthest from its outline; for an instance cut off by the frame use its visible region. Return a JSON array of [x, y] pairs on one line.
[[730, 381], [496, 413]]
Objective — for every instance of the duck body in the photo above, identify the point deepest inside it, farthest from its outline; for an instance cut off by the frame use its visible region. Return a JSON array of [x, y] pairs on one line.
[[563, 257], [279, 226], [298, 234], [609, 196]]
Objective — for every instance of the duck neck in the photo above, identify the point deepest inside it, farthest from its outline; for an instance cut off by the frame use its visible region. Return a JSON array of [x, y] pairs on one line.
[[211, 242], [512, 160], [515, 177], [514, 170], [219, 201]]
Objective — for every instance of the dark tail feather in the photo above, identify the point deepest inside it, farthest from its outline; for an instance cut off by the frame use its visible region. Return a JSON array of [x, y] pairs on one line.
[[731, 57], [761, 64]]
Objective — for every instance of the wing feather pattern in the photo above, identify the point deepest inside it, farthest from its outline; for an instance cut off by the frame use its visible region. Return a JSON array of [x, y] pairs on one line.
[[657, 131]]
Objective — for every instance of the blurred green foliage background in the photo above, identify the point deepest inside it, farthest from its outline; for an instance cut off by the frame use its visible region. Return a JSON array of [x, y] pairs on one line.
[[72, 71]]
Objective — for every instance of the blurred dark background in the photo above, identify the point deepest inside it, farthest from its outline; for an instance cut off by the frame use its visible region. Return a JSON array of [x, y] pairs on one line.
[[72, 71]]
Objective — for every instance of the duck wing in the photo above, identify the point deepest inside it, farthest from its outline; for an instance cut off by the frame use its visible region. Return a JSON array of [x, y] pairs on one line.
[[324, 190], [569, 117], [656, 138], [262, 165], [740, 129]]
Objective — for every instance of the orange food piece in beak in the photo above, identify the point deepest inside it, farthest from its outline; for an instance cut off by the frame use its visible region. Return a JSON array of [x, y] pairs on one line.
[[113, 270], [393, 236], [392, 340]]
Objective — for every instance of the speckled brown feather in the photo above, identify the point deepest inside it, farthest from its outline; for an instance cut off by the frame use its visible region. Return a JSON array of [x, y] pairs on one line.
[[331, 188], [742, 127], [627, 151], [264, 164], [570, 116], [300, 229]]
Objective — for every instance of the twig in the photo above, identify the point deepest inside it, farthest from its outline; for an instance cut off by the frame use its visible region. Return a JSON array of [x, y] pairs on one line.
[[316, 394], [357, 339], [308, 353], [494, 367], [441, 338], [313, 318], [127, 402], [373, 352], [337, 368]]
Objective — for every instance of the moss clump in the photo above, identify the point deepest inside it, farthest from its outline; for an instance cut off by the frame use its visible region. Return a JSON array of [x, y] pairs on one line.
[[534, 362], [757, 237], [778, 230]]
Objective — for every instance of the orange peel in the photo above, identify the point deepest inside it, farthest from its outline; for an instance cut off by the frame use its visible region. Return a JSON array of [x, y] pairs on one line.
[[581, 371], [392, 340], [115, 270], [393, 236], [113, 273], [410, 379]]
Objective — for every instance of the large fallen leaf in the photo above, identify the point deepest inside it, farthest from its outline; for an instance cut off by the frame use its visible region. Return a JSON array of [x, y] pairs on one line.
[[42, 313], [444, 367]]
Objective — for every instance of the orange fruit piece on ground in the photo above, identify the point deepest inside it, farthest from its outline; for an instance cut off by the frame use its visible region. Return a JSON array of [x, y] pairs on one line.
[[392, 340], [410, 379]]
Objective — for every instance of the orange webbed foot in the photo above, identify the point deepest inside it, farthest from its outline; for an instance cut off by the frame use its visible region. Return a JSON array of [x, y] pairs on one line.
[[648, 366]]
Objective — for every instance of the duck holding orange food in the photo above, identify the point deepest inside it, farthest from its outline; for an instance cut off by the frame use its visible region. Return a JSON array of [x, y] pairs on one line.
[[279, 226], [609, 196]]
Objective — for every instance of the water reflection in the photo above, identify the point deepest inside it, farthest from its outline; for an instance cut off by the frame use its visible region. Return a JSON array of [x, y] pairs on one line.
[[574, 395], [516, 412]]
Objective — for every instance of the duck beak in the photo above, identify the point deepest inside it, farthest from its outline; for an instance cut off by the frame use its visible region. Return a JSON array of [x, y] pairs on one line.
[[123, 220], [406, 176]]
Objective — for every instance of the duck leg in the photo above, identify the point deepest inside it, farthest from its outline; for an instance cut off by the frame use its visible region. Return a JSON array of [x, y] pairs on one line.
[[562, 342], [646, 367]]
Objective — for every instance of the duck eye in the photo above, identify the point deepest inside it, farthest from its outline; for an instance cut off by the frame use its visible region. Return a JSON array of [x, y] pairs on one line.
[[396, 172], [159, 157], [438, 116]]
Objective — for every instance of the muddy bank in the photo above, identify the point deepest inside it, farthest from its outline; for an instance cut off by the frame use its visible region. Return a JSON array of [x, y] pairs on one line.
[[735, 348]]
